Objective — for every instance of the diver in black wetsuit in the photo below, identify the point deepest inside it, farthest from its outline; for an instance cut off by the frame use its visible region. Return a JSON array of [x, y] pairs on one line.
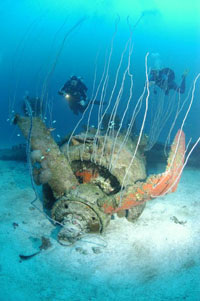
[[165, 80], [74, 91]]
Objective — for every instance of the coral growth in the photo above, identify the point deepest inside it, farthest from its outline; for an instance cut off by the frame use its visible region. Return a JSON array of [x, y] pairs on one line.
[[86, 175]]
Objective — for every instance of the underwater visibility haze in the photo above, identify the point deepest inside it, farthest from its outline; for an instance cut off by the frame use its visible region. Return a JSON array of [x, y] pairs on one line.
[[100, 150]]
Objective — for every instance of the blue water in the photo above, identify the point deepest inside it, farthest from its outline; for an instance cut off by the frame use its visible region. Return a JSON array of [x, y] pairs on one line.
[[32, 34], [44, 42]]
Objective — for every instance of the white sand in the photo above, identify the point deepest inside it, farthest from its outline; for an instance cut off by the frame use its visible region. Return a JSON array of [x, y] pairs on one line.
[[152, 259]]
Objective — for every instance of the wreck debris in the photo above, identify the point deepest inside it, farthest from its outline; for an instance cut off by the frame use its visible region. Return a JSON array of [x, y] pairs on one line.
[[83, 182], [45, 244], [177, 221]]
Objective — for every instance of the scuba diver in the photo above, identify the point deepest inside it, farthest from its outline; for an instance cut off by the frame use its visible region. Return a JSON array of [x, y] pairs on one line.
[[74, 91], [165, 80]]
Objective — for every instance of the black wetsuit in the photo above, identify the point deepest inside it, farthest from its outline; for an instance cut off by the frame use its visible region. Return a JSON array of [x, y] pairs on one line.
[[165, 79], [78, 91], [76, 94]]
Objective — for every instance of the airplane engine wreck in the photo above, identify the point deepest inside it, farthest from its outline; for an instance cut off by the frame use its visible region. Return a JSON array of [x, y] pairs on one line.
[[87, 180]]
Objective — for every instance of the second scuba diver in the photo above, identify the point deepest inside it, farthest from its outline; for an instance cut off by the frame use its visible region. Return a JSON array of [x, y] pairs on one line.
[[165, 80]]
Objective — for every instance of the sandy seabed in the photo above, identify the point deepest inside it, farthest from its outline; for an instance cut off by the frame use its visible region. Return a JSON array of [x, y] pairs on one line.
[[156, 258]]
